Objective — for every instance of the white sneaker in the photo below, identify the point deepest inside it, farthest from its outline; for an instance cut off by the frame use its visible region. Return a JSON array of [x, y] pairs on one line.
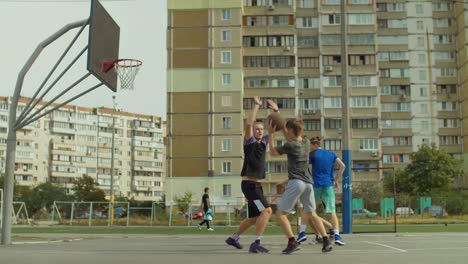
[[199, 227], [210, 229]]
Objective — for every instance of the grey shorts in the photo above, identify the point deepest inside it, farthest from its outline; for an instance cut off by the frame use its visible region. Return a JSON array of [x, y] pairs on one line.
[[297, 190]]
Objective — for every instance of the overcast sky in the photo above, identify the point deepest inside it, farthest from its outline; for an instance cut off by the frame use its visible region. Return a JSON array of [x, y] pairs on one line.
[[26, 23]]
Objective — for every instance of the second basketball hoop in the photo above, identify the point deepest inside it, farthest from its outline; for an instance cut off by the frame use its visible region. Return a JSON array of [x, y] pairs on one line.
[[126, 69]]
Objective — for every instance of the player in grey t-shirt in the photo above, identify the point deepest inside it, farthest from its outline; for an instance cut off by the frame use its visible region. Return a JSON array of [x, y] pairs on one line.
[[299, 184]]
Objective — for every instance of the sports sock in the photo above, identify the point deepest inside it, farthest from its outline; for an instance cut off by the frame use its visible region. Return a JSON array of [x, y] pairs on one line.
[[336, 231], [303, 228], [235, 236], [255, 238]]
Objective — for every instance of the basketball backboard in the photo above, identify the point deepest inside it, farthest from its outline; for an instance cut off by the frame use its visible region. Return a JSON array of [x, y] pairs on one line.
[[103, 45]]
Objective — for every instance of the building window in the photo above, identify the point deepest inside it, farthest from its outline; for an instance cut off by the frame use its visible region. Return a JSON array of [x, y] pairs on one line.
[[226, 14], [422, 58], [226, 78], [420, 25], [227, 144], [307, 3], [308, 62], [364, 123], [332, 144], [227, 167], [312, 124], [227, 190], [368, 144], [226, 35], [419, 9], [226, 57], [395, 158], [227, 122], [226, 101], [332, 123], [420, 41], [424, 108], [423, 92], [332, 19], [309, 83], [332, 60], [363, 101], [422, 75], [332, 102], [331, 81]]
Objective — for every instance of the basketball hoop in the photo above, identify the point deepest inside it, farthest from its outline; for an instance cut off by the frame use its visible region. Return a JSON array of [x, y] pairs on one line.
[[126, 69]]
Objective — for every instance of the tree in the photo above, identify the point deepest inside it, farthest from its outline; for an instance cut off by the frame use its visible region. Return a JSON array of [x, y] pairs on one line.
[[43, 196], [370, 192], [184, 201], [431, 171], [86, 190]]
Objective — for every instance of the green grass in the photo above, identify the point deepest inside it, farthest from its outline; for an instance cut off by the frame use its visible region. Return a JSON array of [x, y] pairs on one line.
[[183, 230]]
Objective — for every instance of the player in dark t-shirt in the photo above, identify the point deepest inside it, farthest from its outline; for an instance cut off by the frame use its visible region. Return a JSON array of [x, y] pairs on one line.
[[253, 170]]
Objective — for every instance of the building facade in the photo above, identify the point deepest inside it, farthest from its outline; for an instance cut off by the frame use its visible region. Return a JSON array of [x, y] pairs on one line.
[[406, 76], [74, 141]]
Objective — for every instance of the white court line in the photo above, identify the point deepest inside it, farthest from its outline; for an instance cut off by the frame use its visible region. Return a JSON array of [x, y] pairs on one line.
[[387, 246], [45, 241]]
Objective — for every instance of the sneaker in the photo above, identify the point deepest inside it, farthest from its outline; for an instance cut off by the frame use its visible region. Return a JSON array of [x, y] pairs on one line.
[[301, 237], [291, 247], [232, 242], [199, 227], [210, 229], [255, 247], [339, 240], [327, 247], [319, 239]]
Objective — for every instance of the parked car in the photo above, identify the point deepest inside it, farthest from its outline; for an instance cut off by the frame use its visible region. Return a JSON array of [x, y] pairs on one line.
[[118, 212], [364, 213], [436, 210], [405, 211]]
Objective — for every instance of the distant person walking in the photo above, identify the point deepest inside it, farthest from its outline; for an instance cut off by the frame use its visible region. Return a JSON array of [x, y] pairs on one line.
[[205, 204]]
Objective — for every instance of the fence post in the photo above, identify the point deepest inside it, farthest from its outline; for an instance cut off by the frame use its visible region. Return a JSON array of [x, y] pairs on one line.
[[128, 214], [228, 213], [189, 217], [53, 212], [170, 215], [152, 214], [71, 214], [90, 219]]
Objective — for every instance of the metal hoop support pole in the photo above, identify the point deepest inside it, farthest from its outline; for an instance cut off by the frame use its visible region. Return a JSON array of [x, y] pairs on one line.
[[11, 139]]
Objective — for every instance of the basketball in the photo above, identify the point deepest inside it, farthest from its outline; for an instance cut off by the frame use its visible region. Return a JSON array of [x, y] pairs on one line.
[[276, 121]]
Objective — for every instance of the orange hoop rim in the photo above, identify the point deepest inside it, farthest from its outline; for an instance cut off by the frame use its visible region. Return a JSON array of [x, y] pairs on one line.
[[108, 65]]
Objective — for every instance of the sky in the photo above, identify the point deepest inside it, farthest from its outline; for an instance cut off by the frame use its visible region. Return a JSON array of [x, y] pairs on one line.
[[143, 23]]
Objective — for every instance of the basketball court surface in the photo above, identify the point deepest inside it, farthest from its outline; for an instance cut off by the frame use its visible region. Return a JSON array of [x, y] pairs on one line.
[[424, 248]]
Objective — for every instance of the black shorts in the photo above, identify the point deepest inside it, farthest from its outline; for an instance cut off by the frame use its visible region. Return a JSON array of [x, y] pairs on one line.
[[256, 201]]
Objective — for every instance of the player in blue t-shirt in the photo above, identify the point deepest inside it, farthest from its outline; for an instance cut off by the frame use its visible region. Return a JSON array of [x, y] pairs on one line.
[[322, 164]]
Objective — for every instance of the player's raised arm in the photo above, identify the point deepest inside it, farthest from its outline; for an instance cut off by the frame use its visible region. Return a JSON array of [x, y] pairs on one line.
[[248, 131]]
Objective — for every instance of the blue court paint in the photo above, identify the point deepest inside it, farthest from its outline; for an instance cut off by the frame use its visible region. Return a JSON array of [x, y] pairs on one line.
[[347, 194]]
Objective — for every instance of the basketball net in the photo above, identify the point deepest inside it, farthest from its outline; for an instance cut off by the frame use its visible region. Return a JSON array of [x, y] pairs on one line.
[[127, 69]]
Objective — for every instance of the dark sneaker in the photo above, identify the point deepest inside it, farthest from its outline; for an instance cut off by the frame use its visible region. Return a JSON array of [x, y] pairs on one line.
[[319, 239], [339, 241], [292, 246], [255, 247], [327, 247], [301, 237], [232, 242]]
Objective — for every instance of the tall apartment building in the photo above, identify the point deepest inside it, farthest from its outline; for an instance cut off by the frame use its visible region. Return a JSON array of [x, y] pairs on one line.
[[406, 77], [74, 141]]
